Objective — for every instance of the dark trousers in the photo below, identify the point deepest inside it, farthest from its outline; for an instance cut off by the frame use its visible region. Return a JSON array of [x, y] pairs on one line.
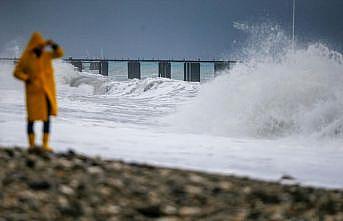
[[46, 124]]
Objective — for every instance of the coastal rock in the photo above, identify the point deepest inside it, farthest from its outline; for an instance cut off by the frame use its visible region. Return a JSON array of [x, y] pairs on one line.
[[94, 170], [189, 211], [69, 186], [151, 211], [66, 190], [39, 185]]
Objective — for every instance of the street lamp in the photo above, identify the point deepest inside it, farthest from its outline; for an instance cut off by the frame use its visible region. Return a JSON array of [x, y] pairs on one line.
[[293, 26]]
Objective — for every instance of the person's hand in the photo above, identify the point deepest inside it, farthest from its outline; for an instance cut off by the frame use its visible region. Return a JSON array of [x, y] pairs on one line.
[[49, 42]]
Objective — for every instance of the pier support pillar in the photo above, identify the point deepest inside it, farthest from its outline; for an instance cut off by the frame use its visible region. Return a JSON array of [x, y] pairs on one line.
[[164, 69], [220, 66], [94, 66], [192, 71], [134, 69], [77, 64], [103, 68]]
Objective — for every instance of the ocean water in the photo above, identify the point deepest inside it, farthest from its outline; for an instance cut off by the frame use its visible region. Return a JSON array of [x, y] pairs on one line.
[[279, 112]]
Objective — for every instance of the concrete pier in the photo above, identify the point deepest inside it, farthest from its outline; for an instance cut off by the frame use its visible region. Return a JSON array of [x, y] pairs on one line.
[[192, 71], [191, 67], [103, 69], [134, 69], [100, 66], [164, 69]]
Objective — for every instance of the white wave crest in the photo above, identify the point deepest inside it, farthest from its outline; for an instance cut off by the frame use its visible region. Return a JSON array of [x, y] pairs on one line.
[[149, 87], [300, 93]]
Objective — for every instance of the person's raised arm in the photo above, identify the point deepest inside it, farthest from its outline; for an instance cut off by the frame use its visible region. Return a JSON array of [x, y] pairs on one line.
[[57, 51]]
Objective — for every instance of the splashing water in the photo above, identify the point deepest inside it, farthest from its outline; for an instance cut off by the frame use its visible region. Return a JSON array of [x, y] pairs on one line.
[[275, 92]]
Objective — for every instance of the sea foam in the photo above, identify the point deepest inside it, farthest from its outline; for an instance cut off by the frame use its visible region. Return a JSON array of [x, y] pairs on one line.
[[275, 92]]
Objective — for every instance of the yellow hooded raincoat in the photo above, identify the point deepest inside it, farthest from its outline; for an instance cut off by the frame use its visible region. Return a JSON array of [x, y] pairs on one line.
[[41, 84]]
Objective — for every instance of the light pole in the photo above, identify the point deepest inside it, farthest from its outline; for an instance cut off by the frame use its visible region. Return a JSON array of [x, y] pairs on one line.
[[293, 26]]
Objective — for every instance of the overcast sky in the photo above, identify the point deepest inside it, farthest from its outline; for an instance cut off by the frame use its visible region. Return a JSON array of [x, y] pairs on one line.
[[163, 28]]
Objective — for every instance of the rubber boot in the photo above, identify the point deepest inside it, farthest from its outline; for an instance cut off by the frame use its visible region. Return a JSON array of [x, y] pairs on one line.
[[31, 141], [46, 146]]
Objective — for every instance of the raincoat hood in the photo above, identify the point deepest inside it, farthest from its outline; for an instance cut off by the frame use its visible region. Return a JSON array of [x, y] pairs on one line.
[[36, 40]]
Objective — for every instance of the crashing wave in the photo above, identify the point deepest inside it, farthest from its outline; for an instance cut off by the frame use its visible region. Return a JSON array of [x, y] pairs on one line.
[[293, 93], [149, 87]]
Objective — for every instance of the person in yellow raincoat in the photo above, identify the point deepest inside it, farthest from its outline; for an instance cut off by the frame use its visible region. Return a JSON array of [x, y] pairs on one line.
[[35, 69]]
